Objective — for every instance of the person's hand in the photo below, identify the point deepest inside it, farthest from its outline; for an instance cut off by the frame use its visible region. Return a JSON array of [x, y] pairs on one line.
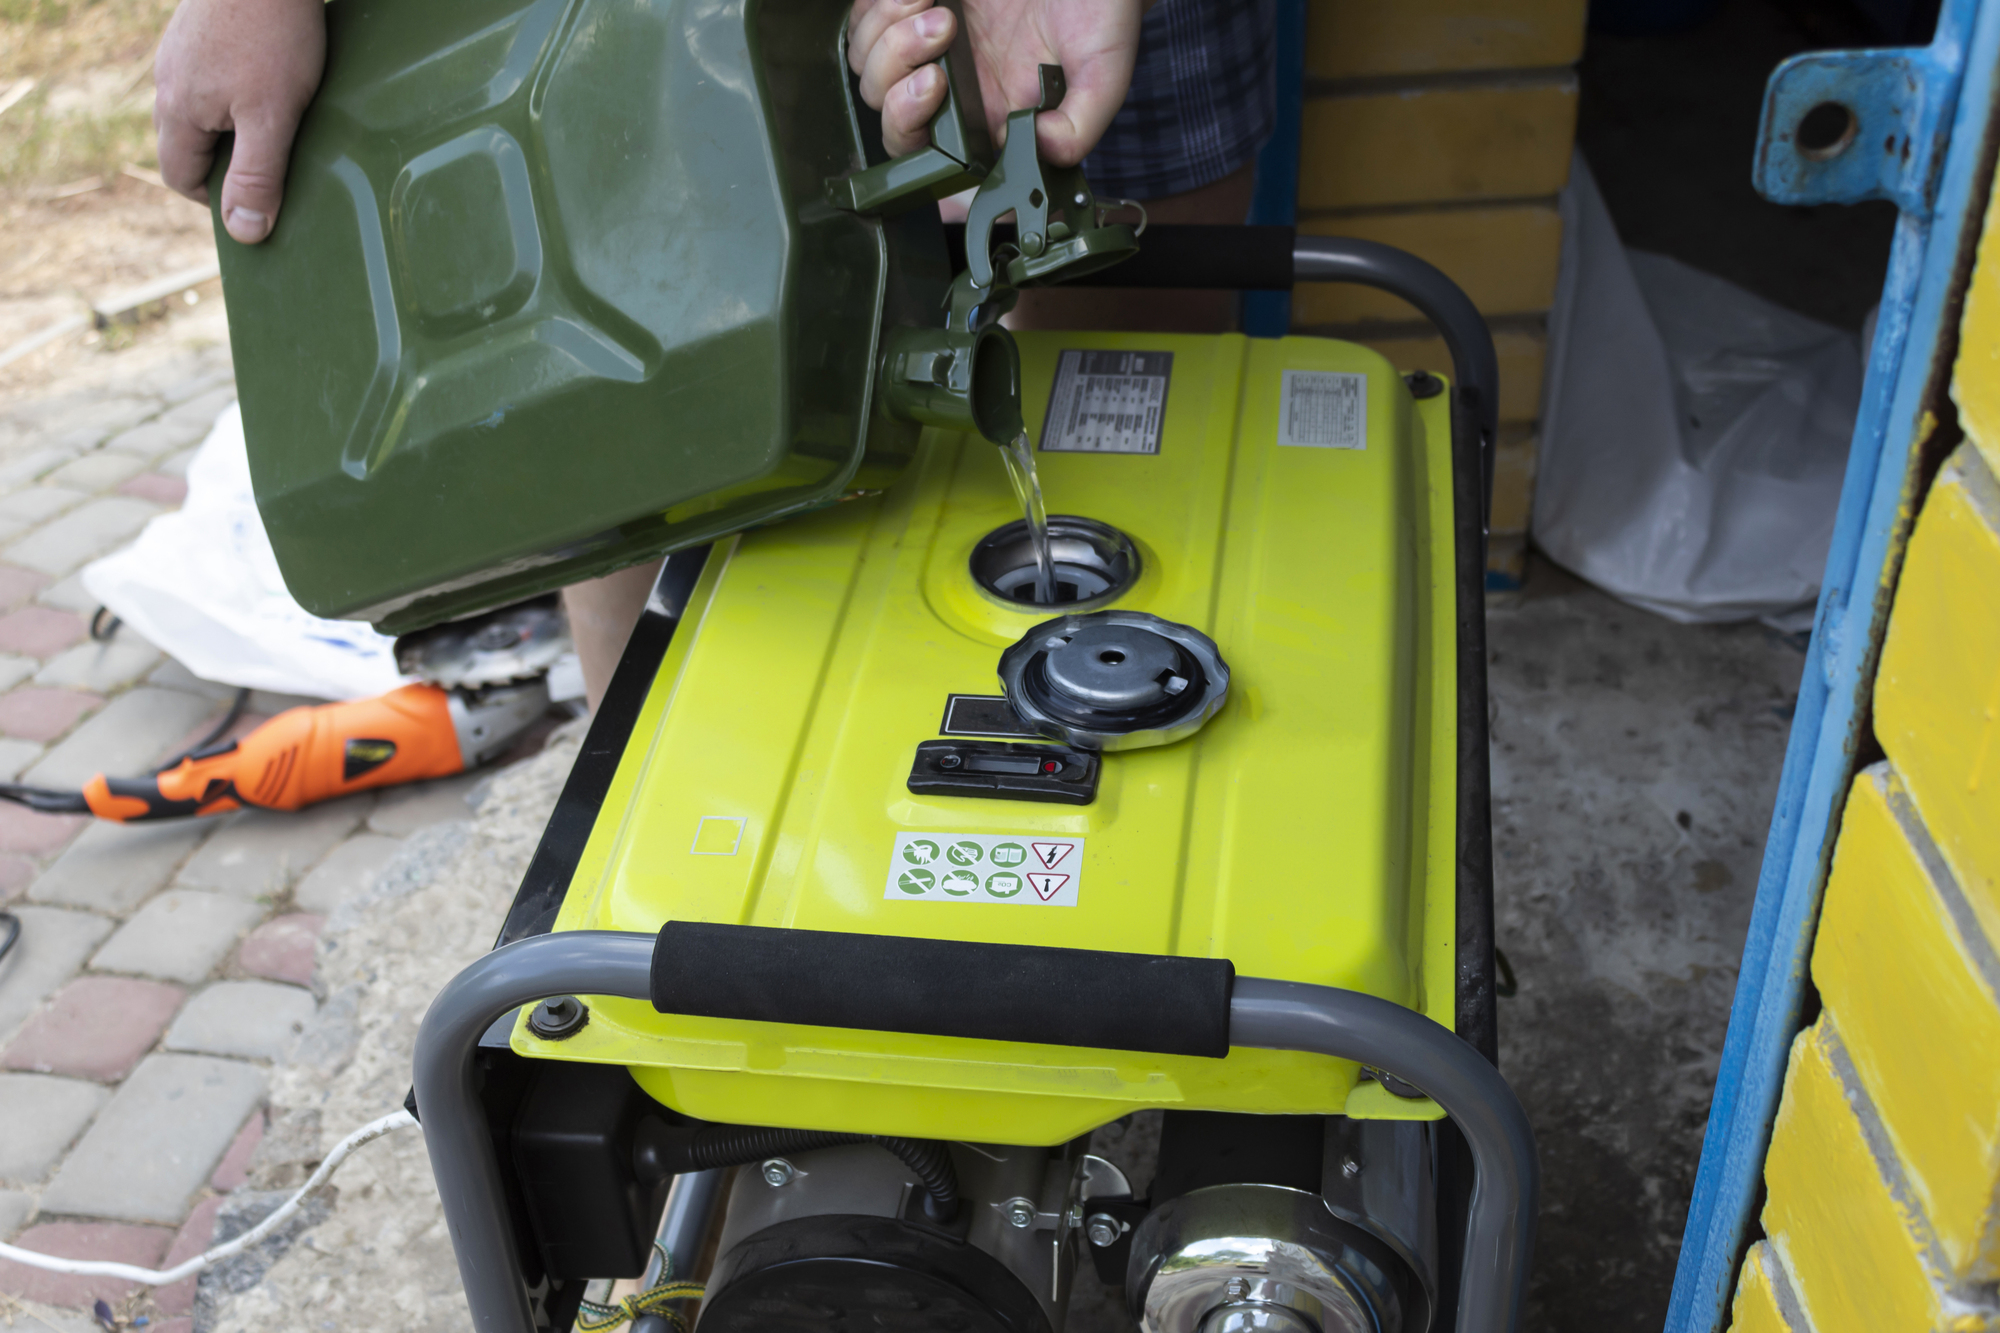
[[894, 45], [242, 66]]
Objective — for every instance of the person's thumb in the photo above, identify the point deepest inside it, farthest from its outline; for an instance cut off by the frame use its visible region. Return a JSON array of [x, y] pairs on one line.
[[1067, 134], [254, 189]]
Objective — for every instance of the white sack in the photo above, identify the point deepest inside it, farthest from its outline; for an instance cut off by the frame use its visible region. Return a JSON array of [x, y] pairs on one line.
[[1694, 436], [203, 585]]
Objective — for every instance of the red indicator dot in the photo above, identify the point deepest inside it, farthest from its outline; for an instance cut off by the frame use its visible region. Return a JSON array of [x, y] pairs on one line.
[[1050, 766]]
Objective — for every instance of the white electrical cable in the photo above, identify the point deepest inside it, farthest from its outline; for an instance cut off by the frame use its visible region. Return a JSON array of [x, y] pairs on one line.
[[374, 1129]]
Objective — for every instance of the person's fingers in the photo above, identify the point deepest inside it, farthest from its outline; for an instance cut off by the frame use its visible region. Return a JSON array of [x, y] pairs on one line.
[[903, 49], [870, 19], [255, 186], [907, 111], [186, 154], [1068, 133]]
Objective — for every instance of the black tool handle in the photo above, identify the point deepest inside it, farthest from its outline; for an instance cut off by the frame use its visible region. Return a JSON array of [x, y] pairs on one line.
[[945, 988]]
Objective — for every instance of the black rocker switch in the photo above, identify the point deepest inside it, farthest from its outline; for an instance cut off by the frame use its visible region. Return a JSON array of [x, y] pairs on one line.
[[999, 771]]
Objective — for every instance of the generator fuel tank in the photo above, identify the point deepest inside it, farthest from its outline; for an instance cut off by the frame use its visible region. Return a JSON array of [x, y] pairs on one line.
[[804, 755]]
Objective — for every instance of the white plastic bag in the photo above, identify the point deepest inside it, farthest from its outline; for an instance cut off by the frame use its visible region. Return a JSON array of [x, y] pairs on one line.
[[1694, 435], [203, 585]]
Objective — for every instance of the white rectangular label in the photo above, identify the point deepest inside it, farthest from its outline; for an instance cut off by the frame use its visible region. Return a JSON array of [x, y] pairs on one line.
[[1107, 403], [1324, 409], [1028, 869]]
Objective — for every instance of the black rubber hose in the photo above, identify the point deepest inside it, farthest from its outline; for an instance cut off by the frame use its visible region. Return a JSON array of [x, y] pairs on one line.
[[10, 932], [738, 1145]]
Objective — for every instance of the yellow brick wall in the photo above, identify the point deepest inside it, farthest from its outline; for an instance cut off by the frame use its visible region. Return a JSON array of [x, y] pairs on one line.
[[1363, 40], [1844, 1240], [1764, 1301], [1445, 127], [1498, 139], [1882, 1206], [1938, 690], [1895, 963]]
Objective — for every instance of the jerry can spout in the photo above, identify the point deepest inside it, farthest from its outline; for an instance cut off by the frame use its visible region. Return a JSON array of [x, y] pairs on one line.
[[956, 379]]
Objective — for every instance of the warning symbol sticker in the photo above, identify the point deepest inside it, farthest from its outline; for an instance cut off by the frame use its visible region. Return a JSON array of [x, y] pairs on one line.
[[1051, 854], [1047, 885], [985, 868]]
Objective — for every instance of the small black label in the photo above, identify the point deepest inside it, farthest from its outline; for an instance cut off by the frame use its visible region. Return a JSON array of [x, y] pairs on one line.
[[365, 756], [981, 715], [1005, 772]]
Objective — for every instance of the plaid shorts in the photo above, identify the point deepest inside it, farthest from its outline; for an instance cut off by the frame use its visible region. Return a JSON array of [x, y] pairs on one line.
[[1203, 100]]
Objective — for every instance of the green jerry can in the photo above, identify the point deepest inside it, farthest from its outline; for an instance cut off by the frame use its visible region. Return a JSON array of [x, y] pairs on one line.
[[563, 284]]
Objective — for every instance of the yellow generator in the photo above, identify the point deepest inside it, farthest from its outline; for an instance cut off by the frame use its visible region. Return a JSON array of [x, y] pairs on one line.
[[921, 834], [877, 888]]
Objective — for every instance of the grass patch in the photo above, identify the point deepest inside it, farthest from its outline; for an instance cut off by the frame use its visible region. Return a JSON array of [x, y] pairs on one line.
[[91, 110]]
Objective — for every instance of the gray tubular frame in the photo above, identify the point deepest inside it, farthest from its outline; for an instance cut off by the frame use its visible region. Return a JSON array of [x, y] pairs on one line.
[[1277, 1015]]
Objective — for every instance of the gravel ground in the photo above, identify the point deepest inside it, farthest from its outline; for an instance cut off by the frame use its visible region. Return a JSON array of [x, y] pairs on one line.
[[382, 1259]]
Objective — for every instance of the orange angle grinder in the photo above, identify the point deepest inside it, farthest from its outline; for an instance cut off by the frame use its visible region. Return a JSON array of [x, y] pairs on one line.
[[484, 683]]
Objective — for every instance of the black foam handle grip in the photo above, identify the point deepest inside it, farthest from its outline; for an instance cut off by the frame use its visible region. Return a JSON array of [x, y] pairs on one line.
[[1184, 255], [945, 988]]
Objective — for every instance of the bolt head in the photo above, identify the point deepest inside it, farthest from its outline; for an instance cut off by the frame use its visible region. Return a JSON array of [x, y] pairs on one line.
[[1349, 1167], [558, 1018], [778, 1172], [1102, 1230], [949, 761], [1019, 1213]]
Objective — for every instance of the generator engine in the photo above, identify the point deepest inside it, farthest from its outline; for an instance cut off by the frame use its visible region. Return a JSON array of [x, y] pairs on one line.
[[1295, 1225]]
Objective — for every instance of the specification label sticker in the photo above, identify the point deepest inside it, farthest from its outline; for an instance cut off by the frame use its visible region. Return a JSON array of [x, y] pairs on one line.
[[1107, 403], [1324, 409], [986, 868]]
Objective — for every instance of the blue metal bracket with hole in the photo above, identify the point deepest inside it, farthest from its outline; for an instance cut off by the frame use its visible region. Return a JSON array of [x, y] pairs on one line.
[[1843, 126]]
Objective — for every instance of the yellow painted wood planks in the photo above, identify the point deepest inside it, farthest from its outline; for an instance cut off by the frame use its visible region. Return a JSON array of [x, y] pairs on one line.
[[1513, 480], [1504, 138], [1348, 39]]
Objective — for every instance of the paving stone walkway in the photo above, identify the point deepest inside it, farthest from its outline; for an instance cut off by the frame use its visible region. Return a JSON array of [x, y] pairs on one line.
[[161, 970]]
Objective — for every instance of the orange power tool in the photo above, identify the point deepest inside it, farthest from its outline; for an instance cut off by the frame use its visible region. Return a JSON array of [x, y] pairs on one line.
[[485, 683], [313, 754], [300, 756]]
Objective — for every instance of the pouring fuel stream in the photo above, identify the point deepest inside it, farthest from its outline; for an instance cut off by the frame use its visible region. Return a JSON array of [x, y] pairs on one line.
[[1019, 456]]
